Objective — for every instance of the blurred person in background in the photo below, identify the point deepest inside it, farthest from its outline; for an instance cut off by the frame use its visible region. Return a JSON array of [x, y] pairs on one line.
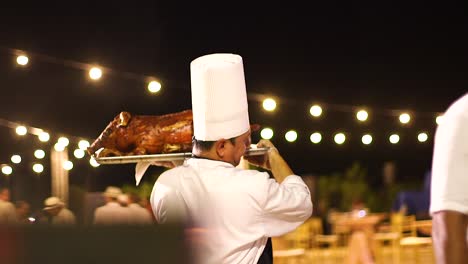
[[111, 213], [23, 211], [7, 209], [57, 213], [138, 214]]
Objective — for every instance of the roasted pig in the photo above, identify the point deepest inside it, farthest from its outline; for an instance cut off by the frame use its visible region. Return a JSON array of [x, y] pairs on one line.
[[131, 134]]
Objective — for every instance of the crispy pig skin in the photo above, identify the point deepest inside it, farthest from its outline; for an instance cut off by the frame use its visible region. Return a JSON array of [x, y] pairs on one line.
[[131, 134]]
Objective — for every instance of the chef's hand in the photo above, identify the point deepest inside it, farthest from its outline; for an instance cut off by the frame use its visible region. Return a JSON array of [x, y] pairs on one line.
[[263, 161]]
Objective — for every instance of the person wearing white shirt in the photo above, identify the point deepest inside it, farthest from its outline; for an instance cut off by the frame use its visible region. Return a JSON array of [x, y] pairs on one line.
[[449, 196], [57, 213], [7, 209], [112, 213], [231, 211], [138, 214]]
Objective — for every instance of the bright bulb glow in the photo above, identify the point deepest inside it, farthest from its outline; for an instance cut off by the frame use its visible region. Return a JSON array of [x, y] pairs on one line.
[[79, 153], [366, 139], [44, 136], [67, 165], [269, 104], [266, 133], [439, 119], [316, 110], [7, 170], [39, 154], [291, 136], [422, 137], [93, 162], [38, 168], [154, 86], [83, 144], [362, 115], [405, 118], [315, 138], [95, 73], [63, 141], [59, 147], [22, 60], [394, 138], [16, 159], [21, 130], [340, 138]]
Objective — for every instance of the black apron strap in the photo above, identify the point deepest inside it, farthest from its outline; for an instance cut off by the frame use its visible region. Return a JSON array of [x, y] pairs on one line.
[[267, 255]]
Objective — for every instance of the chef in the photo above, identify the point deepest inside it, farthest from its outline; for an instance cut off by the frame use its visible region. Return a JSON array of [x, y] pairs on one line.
[[233, 211]]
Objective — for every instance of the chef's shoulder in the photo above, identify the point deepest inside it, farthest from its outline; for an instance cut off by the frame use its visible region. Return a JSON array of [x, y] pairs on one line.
[[173, 175], [254, 178]]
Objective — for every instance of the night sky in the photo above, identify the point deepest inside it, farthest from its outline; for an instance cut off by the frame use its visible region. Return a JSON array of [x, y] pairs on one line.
[[382, 56]]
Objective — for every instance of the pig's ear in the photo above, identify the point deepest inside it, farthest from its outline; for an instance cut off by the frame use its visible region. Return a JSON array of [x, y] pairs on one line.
[[254, 127]]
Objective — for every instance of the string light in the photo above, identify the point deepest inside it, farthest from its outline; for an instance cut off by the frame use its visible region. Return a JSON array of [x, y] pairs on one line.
[[362, 115], [95, 73], [339, 138], [93, 162], [366, 139], [439, 119], [405, 118], [67, 165], [44, 136], [315, 110], [7, 170], [39, 154], [38, 168], [79, 153], [83, 144], [16, 159], [291, 136], [269, 104], [63, 141], [154, 86], [394, 138], [21, 130], [315, 137], [266, 133], [422, 137], [22, 60]]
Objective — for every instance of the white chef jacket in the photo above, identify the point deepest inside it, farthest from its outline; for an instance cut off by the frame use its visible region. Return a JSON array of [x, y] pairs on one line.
[[238, 209], [111, 213], [450, 160], [64, 217]]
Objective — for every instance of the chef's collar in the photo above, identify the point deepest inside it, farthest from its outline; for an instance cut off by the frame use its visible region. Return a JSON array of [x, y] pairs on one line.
[[210, 161]]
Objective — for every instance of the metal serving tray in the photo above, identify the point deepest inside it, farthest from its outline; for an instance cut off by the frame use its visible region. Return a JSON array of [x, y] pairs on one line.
[[163, 157]]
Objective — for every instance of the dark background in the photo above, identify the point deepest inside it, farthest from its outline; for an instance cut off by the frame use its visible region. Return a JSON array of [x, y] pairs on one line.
[[381, 55]]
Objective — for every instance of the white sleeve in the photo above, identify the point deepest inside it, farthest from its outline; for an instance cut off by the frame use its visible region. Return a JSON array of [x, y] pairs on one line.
[[287, 205], [167, 205], [450, 166]]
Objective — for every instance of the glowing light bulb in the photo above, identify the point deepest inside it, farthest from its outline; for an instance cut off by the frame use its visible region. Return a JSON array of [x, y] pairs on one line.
[[362, 115], [22, 60], [315, 137], [315, 110], [154, 86], [269, 104], [340, 138], [291, 136], [95, 73], [266, 133]]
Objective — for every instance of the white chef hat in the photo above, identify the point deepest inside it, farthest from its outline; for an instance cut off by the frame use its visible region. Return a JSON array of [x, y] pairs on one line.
[[219, 97]]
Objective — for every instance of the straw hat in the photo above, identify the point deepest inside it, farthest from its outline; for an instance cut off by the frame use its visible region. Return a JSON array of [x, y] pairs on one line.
[[52, 202]]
